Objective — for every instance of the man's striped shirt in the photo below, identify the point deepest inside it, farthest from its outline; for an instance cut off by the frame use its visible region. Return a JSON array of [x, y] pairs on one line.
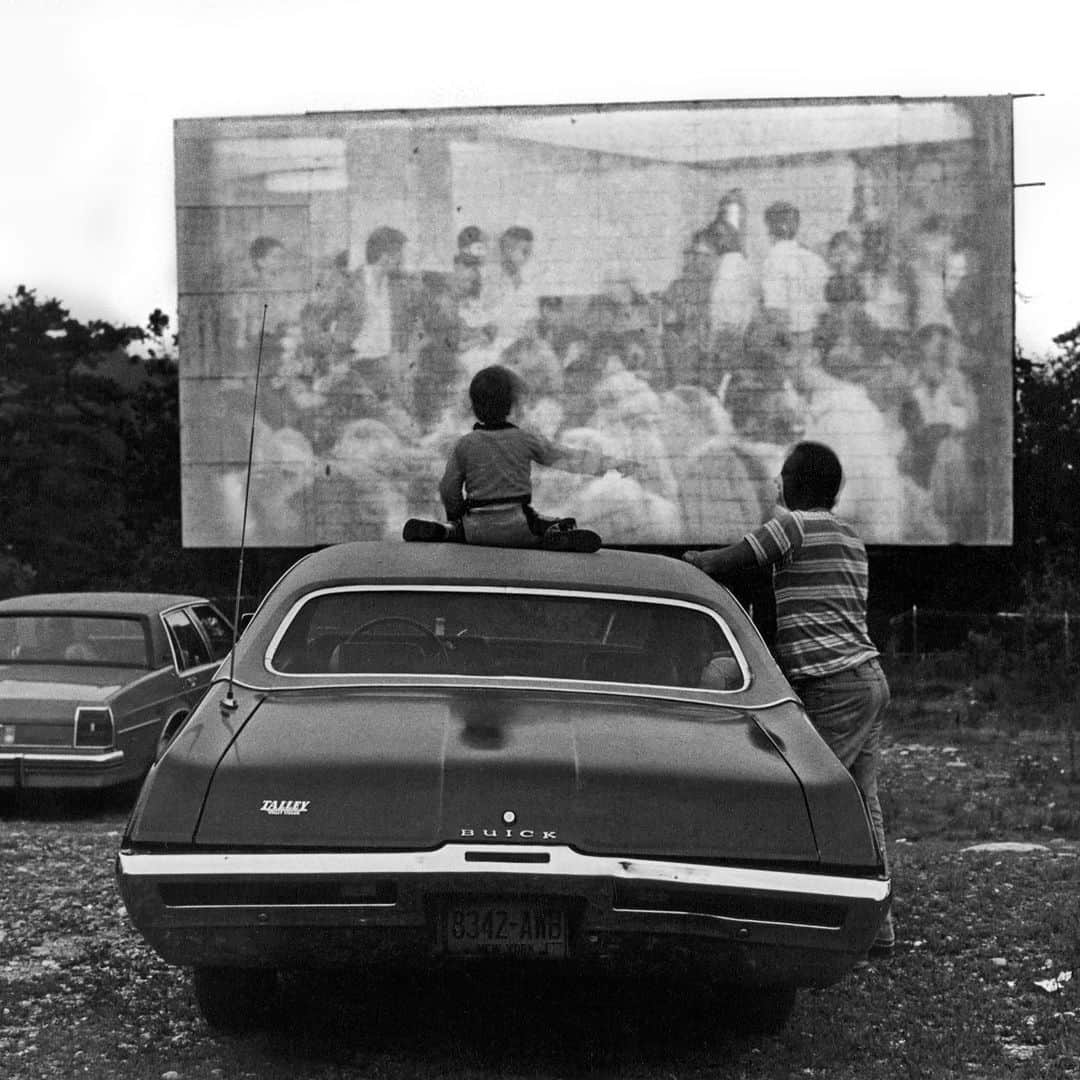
[[820, 577]]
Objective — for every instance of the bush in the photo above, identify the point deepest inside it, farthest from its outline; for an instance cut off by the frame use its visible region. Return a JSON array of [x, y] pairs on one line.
[[16, 577]]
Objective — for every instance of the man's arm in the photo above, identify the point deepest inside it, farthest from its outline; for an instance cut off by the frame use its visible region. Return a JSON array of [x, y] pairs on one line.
[[723, 562], [771, 544]]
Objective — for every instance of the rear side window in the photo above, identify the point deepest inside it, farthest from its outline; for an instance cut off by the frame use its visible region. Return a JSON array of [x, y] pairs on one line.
[[525, 634], [61, 638], [191, 649], [216, 628]]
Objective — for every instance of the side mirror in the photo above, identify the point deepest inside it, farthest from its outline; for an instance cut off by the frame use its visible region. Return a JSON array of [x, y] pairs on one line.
[[245, 618]]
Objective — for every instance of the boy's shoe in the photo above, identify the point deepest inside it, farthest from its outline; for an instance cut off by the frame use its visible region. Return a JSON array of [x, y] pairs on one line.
[[556, 539], [418, 529]]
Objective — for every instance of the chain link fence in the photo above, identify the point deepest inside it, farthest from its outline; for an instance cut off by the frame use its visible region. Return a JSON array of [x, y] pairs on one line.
[[1030, 655], [1048, 637]]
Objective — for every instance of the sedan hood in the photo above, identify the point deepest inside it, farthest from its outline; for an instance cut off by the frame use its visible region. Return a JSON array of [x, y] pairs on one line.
[[413, 769]]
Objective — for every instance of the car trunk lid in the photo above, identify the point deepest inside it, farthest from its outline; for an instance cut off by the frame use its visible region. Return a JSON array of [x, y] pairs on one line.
[[412, 769], [38, 703]]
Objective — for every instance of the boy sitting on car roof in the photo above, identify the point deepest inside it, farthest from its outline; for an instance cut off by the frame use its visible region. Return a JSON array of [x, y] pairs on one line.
[[487, 486]]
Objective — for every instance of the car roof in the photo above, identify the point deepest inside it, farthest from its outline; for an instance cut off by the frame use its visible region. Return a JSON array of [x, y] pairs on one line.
[[112, 603], [391, 562]]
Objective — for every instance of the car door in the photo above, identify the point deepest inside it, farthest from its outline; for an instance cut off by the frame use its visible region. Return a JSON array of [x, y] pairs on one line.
[[195, 660], [215, 628]]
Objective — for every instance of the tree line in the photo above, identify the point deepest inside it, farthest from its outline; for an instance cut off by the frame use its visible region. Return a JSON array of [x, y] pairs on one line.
[[90, 459], [90, 467]]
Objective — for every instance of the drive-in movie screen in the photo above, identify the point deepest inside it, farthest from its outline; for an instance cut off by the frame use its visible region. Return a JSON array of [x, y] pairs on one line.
[[683, 290]]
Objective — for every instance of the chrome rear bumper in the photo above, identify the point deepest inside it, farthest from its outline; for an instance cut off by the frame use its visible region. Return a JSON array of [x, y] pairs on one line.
[[59, 768], [514, 859], [311, 909]]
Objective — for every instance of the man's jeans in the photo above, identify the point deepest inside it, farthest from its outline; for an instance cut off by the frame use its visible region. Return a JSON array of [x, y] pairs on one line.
[[848, 710]]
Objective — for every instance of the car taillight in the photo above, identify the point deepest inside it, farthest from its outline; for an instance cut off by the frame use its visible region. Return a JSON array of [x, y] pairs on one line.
[[93, 727]]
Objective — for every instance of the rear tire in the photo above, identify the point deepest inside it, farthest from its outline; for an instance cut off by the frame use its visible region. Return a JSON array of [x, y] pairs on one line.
[[235, 1000]]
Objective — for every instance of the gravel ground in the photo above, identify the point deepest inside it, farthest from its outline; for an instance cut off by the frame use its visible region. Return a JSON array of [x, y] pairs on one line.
[[980, 988]]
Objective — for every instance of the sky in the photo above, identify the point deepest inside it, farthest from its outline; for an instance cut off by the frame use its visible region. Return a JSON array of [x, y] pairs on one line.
[[90, 90]]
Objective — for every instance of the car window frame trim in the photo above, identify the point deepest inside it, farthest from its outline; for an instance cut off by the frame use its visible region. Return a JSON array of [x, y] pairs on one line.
[[504, 590]]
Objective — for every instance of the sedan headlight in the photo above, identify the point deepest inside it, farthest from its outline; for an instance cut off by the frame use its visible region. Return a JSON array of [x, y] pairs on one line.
[[94, 727]]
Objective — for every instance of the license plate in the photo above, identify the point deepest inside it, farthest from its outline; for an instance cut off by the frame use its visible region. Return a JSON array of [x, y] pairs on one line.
[[514, 928]]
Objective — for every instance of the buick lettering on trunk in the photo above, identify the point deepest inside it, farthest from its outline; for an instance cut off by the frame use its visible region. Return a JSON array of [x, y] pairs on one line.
[[508, 834]]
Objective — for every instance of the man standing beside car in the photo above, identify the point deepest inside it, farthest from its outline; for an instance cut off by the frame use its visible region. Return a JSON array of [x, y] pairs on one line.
[[820, 578]]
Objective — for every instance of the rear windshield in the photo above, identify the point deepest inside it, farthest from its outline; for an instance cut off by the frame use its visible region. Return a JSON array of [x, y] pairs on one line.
[[523, 634], [73, 639]]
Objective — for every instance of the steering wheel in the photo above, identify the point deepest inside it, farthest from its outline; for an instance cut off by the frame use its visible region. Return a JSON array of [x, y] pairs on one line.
[[439, 652]]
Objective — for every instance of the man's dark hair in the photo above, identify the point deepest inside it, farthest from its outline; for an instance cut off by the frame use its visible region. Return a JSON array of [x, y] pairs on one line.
[[515, 234], [493, 391], [261, 246], [471, 234], [382, 240], [811, 476], [782, 220]]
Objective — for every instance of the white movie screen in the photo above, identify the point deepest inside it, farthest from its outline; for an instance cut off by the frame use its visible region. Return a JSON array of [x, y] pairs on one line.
[[684, 291]]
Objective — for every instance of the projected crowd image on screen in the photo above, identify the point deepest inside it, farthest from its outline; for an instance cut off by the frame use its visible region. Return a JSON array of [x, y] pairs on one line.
[[688, 288]]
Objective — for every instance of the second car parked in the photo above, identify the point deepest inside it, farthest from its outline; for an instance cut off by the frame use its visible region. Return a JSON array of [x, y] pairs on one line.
[[94, 685]]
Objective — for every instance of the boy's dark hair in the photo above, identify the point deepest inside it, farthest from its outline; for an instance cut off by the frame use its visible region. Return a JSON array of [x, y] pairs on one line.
[[812, 476], [493, 391], [382, 240]]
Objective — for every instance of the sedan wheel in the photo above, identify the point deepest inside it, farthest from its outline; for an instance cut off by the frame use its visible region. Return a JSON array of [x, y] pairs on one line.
[[234, 1000]]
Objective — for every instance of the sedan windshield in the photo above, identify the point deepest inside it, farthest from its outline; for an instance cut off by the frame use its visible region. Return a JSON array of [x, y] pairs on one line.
[[73, 639], [516, 634]]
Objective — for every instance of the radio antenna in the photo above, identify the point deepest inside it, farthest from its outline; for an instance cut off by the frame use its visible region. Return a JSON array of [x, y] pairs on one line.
[[229, 700]]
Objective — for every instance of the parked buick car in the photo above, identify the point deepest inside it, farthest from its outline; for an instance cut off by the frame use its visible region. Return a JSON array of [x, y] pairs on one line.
[[438, 754], [93, 685]]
